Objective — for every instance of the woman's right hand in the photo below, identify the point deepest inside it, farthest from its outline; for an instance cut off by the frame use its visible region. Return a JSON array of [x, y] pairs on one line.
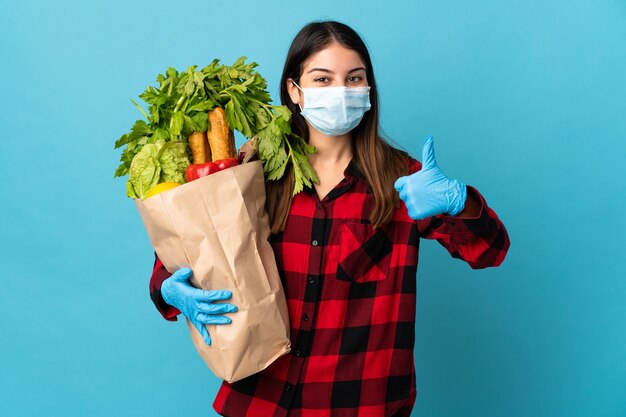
[[195, 304]]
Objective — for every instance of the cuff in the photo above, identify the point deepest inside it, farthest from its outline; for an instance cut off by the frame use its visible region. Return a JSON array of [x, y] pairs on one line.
[[160, 274], [468, 225]]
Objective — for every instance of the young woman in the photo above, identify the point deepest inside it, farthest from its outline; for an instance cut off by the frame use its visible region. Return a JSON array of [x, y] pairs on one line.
[[347, 248]]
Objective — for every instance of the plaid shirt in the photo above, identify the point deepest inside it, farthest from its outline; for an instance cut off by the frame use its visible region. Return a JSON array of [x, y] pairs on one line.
[[351, 293]]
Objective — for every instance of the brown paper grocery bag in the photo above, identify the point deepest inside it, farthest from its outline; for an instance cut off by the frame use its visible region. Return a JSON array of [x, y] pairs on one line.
[[217, 226]]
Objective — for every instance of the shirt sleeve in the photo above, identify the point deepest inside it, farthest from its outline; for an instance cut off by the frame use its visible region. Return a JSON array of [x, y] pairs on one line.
[[160, 274], [481, 241]]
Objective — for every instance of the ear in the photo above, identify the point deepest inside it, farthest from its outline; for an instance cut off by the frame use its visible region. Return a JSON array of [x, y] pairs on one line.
[[294, 92]]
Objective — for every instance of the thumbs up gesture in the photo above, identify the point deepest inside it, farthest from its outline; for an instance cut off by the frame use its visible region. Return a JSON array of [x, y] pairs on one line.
[[429, 192]]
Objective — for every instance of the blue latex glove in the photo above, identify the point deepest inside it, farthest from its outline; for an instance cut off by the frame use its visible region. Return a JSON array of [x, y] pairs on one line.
[[429, 192], [195, 304]]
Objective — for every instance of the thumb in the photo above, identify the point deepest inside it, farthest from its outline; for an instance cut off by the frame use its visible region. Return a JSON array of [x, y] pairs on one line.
[[399, 184], [428, 154], [181, 275]]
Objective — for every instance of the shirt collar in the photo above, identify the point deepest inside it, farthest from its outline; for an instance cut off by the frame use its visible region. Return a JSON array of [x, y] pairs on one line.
[[351, 173]]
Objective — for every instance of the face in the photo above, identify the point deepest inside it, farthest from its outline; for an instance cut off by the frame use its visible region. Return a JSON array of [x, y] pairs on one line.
[[333, 66]]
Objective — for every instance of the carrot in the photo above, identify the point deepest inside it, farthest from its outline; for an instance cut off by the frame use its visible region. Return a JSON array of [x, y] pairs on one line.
[[221, 137], [200, 149]]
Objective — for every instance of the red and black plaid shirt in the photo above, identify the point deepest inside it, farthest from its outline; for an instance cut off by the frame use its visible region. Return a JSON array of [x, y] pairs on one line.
[[351, 293]]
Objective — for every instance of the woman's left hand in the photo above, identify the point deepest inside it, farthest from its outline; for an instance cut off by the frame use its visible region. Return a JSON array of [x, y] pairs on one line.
[[429, 192]]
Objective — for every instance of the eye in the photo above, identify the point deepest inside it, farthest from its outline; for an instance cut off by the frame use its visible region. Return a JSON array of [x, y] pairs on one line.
[[355, 79], [321, 80]]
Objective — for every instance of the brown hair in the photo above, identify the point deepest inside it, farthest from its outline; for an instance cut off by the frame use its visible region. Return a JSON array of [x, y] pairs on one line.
[[380, 163]]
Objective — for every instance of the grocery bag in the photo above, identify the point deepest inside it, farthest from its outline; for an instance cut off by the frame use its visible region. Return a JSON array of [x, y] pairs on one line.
[[217, 225]]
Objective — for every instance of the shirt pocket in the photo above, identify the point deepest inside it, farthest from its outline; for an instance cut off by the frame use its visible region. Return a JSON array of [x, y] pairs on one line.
[[364, 253]]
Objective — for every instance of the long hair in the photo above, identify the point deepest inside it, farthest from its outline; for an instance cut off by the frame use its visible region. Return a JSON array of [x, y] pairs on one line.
[[380, 163]]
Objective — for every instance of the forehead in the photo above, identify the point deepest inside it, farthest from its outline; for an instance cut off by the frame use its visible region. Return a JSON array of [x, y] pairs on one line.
[[334, 57]]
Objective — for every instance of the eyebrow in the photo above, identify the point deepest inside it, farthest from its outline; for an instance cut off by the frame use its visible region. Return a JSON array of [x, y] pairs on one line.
[[332, 72]]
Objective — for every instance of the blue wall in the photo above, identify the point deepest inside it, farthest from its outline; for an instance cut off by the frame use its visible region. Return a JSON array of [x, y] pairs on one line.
[[526, 101]]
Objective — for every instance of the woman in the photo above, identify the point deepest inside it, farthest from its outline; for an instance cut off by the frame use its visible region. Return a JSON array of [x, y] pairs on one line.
[[347, 248]]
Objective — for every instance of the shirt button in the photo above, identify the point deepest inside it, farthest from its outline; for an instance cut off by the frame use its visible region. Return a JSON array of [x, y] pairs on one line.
[[319, 205], [305, 317], [314, 243], [311, 280], [288, 387], [298, 353]]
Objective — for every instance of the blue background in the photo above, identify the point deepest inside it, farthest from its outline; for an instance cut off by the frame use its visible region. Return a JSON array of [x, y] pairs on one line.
[[526, 101]]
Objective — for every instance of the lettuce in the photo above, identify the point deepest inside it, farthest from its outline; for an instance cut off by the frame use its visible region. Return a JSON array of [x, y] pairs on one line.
[[145, 171], [174, 162], [156, 163]]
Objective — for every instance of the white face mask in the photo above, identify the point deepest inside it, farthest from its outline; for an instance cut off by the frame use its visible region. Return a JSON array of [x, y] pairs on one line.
[[334, 111]]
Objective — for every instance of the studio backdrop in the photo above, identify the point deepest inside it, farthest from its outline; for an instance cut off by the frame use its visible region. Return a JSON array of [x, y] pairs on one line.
[[526, 101]]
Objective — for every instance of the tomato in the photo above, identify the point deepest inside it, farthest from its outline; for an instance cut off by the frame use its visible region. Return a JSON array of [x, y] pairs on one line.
[[227, 163], [195, 171]]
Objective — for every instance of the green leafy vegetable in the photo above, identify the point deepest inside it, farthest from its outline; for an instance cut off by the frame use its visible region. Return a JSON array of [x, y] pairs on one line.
[[145, 171], [179, 106], [174, 161]]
